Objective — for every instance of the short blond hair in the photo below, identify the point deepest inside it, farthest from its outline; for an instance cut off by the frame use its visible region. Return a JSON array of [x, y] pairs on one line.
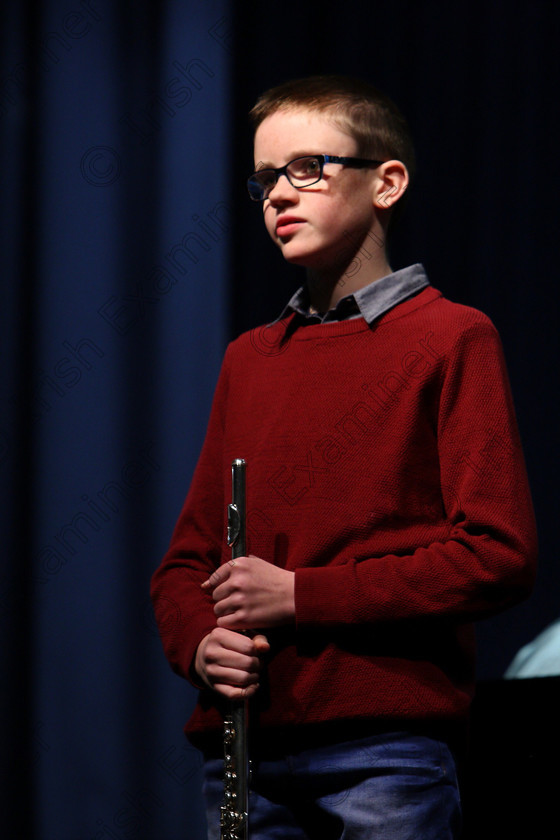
[[355, 106]]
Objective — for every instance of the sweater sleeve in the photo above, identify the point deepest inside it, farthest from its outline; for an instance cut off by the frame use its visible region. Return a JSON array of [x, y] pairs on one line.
[[184, 613], [487, 560]]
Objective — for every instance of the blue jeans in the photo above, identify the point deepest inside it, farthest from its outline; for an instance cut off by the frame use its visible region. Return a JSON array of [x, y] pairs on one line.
[[394, 786]]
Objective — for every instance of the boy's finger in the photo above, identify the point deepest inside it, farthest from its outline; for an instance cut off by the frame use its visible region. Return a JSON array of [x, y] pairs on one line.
[[219, 576], [261, 643]]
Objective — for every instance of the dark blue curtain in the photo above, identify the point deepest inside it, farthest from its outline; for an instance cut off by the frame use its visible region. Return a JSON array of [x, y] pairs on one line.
[[115, 229], [125, 270]]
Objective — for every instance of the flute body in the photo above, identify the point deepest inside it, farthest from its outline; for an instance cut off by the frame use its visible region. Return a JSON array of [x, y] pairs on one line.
[[234, 817]]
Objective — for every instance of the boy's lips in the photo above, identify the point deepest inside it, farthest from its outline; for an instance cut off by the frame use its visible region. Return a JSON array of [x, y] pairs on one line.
[[288, 224]]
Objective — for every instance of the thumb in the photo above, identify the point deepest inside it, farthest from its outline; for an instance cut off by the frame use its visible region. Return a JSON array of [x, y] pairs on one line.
[[261, 643]]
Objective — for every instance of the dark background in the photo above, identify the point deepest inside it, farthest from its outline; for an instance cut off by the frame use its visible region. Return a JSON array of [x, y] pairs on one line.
[[131, 255]]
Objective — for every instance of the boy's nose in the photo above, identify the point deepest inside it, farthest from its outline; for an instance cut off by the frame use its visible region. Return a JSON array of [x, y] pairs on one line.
[[282, 189]]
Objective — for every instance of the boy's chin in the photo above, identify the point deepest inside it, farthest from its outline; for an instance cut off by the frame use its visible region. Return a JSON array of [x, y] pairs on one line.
[[305, 259]]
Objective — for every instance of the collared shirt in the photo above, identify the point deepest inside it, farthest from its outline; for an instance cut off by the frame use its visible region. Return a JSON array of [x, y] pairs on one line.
[[369, 303]]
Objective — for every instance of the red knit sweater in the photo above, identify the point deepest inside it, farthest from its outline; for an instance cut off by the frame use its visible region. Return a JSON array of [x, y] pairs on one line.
[[384, 466]]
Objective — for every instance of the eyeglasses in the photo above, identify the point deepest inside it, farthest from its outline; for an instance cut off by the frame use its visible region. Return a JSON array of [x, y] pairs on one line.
[[301, 172]]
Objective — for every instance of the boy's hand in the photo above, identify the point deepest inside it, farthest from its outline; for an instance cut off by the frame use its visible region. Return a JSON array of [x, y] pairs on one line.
[[251, 594], [230, 662]]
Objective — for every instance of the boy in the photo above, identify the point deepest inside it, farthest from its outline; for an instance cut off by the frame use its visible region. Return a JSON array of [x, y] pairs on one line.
[[387, 501]]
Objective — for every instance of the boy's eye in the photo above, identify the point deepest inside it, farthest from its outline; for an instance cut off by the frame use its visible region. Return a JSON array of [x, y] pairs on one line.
[[267, 178], [307, 167]]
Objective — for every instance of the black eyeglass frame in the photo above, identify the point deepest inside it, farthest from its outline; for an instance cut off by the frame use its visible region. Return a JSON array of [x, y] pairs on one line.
[[354, 163]]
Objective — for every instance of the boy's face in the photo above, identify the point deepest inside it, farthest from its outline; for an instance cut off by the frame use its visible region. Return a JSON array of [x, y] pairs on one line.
[[321, 226]]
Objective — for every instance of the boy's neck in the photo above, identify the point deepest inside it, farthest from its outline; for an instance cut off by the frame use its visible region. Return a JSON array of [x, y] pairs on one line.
[[326, 287]]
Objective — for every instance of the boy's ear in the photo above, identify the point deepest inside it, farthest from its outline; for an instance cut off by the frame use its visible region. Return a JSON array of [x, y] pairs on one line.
[[390, 184]]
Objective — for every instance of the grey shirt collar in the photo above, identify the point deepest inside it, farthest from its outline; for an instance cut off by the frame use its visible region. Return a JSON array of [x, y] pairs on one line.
[[368, 303]]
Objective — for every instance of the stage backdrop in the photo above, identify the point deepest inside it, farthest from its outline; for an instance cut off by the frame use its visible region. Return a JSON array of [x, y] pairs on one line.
[[130, 254], [115, 228]]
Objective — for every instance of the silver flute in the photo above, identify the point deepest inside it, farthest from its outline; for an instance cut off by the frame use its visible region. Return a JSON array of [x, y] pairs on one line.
[[234, 816]]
